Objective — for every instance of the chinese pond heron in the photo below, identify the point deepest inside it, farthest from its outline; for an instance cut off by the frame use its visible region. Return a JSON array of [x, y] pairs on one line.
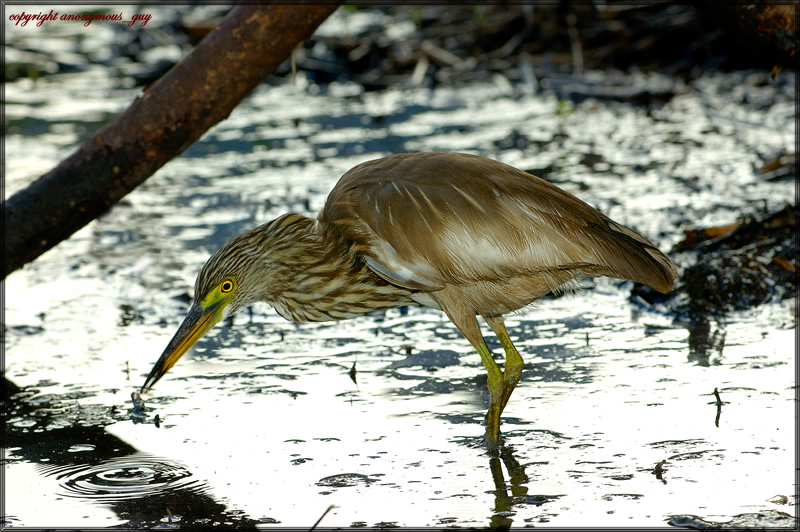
[[461, 233]]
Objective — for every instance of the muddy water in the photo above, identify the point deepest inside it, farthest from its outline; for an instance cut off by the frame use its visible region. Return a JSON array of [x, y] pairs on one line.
[[262, 425]]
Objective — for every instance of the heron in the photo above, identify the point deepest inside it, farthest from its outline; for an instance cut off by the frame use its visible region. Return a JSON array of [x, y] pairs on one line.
[[465, 234]]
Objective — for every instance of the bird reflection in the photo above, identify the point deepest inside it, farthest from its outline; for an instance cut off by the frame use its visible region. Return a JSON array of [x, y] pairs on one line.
[[503, 502]]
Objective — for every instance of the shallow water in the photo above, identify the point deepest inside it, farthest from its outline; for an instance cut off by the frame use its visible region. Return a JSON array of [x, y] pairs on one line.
[[262, 424]]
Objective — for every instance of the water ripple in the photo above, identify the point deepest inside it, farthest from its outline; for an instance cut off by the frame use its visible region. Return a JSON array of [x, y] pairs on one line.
[[124, 477]]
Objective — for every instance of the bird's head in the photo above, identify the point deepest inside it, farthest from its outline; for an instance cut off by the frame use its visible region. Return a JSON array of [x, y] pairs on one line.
[[244, 270]]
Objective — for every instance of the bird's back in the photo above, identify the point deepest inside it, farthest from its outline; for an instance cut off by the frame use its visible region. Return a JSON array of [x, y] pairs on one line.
[[430, 220]]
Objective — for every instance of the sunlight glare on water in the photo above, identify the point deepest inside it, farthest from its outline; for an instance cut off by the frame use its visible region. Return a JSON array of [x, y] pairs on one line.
[[33, 491]]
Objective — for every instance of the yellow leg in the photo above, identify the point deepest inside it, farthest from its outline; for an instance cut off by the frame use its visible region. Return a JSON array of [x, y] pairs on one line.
[[514, 362], [500, 385], [496, 389]]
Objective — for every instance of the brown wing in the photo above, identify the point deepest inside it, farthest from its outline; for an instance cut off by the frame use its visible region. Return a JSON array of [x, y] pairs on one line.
[[427, 220]]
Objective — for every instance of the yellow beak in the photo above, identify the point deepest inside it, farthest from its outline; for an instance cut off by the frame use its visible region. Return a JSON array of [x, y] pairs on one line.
[[197, 323]]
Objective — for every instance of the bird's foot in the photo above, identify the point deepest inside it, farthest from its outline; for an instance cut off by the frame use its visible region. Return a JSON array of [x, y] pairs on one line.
[[493, 443], [492, 439]]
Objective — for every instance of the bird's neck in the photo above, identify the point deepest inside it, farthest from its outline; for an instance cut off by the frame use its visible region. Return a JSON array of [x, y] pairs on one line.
[[325, 278]]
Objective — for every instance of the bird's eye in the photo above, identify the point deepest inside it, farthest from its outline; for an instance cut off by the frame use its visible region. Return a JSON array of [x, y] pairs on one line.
[[226, 286]]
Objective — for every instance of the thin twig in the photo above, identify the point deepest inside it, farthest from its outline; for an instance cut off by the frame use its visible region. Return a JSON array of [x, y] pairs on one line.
[[331, 507]]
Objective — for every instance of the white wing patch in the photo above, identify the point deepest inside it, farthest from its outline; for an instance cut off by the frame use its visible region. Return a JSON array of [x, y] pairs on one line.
[[391, 267]]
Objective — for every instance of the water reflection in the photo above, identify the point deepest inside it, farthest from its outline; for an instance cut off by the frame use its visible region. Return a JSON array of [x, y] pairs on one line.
[[123, 478], [517, 480], [706, 341]]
